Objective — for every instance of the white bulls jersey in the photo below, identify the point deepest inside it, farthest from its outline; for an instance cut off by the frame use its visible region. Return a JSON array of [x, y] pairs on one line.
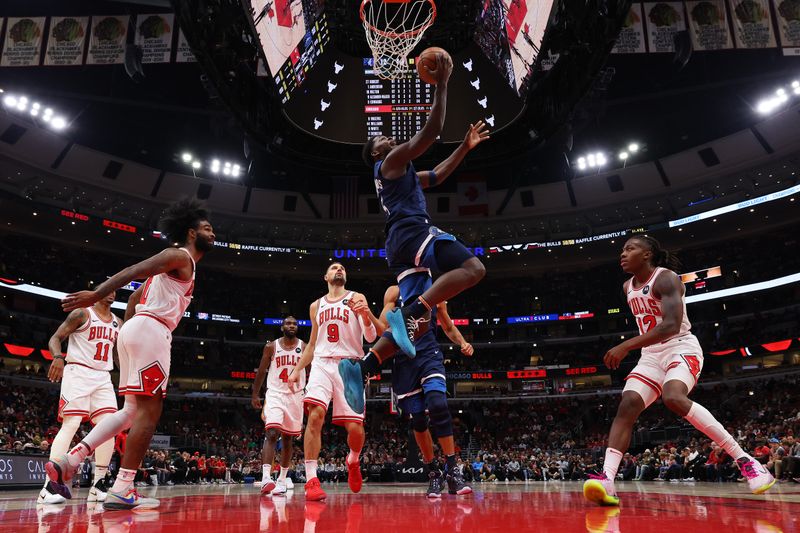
[[166, 298], [647, 308], [340, 332], [92, 344], [282, 364]]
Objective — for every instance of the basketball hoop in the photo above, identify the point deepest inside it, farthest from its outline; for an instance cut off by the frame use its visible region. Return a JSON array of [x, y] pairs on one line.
[[393, 28]]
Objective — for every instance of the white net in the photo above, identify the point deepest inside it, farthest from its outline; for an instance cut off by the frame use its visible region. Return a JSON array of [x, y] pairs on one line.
[[393, 29]]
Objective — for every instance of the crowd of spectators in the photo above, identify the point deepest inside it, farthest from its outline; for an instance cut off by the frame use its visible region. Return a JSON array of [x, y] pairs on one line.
[[547, 439]]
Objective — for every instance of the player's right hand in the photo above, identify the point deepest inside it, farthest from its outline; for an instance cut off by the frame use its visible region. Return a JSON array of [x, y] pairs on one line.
[[293, 380], [56, 370], [444, 67], [78, 300], [255, 401]]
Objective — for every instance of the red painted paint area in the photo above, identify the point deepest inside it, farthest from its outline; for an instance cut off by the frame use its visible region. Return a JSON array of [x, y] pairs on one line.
[[283, 10], [244, 510]]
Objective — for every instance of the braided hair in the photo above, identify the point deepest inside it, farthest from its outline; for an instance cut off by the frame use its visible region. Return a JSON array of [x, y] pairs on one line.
[[660, 257]]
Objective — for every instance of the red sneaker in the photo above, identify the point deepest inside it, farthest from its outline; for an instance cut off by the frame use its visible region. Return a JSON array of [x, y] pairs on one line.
[[268, 486], [314, 492], [354, 478]]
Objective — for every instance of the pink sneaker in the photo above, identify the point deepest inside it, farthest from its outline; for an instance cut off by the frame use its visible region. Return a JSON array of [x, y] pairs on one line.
[[600, 490], [758, 477]]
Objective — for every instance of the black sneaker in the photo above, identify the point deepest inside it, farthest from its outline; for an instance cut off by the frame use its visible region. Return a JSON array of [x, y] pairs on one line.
[[456, 485], [435, 484]]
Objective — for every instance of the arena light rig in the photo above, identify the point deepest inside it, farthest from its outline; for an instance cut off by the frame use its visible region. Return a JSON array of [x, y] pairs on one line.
[[20, 104], [771, 104]]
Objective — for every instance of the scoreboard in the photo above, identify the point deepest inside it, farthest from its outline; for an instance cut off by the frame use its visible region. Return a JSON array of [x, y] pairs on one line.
[[395, 108]]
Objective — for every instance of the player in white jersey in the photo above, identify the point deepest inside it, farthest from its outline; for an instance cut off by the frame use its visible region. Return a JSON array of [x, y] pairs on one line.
[[86, 389], [282, 406], [336, 334], [669, 367], [153, 311]]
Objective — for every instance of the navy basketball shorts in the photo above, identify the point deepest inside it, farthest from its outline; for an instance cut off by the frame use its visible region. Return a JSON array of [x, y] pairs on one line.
[[411, 246], [413, 377]]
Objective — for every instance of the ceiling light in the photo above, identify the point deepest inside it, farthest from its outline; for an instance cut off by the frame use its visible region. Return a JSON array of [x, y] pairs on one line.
[[59, 123], [36, 105], [46, 117], [187, 157], [226, 171], [48, 111], [10, 101], [196, 165], [623, 156], [591, 160], [227, 164], [601, 159], [633, 147]]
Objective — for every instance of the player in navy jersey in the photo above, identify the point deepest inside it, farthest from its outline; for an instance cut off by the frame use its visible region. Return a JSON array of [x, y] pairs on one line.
[[412, 242]]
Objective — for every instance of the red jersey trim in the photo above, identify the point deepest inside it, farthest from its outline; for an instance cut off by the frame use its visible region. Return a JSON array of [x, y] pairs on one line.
[[647, 381], [342, 420], [314, 401], [339, 300], [283, 430], [102, 411], [101, 319], [652, 275]]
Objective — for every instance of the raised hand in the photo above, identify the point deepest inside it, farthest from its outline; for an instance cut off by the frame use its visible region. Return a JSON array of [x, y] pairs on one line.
[[476, 134]]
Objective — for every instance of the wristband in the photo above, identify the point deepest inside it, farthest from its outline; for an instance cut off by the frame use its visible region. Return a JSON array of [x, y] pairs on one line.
[[59, 357]]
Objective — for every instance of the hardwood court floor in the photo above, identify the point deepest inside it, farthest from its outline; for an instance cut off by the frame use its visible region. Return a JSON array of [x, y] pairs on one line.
[[384, 508]]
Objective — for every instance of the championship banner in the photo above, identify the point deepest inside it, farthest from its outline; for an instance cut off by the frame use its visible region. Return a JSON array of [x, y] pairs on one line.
[[65, 41], [154, 35], [787, 13], [631, 37], [708, 22], [183, 54], [664, 20], [23, 43], [752, 25], [107, 42]]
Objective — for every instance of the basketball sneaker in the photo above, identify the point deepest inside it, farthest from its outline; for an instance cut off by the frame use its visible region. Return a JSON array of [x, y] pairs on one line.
[[129, 499], [60, 473], [600, 490], [314, 492], [280, 488], [456, 485], [353, 380], [758, 477], [407, 328], [289, 483], [603, 520], [435, 483], [49, 495], [267, 487], [98, 491], [354, 478]]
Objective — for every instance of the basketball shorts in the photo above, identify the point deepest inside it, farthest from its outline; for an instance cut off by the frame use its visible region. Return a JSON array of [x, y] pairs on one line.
[[86, 392], [144, 346], [325, 385], [680, 359], [413, 377], [284, 412], [411, 246]]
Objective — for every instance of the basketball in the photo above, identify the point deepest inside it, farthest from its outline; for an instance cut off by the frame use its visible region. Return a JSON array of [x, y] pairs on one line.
[[426, 63]]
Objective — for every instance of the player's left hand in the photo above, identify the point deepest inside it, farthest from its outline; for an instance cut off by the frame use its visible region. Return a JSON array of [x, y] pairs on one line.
[[467, 349], [255, 401], [615, 356], [56, 370], [476, 134], [78, 300], [358, 304]]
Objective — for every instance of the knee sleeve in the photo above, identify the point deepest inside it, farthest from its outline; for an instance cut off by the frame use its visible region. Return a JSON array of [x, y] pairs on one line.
[[441, 422], [450, 255], [419, 422]]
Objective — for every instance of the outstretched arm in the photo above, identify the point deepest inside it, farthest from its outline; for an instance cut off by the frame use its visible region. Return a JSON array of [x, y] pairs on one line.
[[395, 164], [165, 261], [261, 373], [476, 134], [452, 331], [308, 351], [669, 287]]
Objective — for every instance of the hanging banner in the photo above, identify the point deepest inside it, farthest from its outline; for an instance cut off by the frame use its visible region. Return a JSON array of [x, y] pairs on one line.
[[787, 13], [184, 53], [23, 43], [752, 25], [154, 35], [664, 20], [65, 40], [631, 37], [708, 22], [107, 43]]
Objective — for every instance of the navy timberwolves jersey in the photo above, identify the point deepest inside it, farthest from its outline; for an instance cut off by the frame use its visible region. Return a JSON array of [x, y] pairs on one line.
[[401, 198]]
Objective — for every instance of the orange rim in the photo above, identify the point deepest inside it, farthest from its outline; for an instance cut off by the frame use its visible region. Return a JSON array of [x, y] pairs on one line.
[[391, 34]]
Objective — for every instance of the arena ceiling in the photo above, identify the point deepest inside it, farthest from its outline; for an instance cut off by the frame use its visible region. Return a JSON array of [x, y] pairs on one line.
[[649, 98]]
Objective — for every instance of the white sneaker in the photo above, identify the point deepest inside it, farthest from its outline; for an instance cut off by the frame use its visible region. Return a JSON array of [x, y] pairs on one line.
[[98, 492], [289, 483], [47, 497], [758, 477], [130, 499], [280, 488], [267, 487]]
